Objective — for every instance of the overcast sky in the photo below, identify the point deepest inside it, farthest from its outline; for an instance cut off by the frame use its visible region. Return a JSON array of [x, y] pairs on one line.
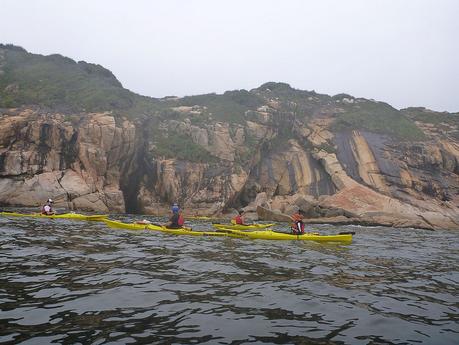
[[404, 52]]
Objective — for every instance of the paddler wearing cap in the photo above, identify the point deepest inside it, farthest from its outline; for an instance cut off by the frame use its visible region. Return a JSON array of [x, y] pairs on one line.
[[176, 221], [47, 209]]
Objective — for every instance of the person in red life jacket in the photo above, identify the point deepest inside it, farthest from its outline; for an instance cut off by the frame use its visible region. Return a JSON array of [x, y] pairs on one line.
[[176, 221], [238, 219], [173, 221], [298, 224], [47, 209]]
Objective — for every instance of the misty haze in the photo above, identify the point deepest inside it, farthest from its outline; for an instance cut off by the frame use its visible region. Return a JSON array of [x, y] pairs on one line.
[[229, 172]]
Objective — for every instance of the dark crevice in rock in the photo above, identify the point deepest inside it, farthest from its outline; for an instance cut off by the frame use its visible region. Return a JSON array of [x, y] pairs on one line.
[[323, 186], [133, 171], [43, 147], [69, 150], [2, 162]]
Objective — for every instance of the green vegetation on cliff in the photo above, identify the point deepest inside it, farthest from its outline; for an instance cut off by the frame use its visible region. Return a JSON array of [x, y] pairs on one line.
[[59, 82], [229, 107], [429, 116], [377, 117], [351, 113], [181, 147], [300, 103]]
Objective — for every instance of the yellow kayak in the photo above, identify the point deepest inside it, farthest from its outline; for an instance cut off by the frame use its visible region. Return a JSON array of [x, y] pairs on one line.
[[130, 226], [75, 216], [256, 234], [242, 227], [189, 232], [155, 227], [140, 226], [279, 236], [199, 217]]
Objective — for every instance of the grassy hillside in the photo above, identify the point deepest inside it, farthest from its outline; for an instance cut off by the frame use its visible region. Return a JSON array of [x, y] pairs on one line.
[[350, 113], [61, 83], [57, 81], [228, 107], [378, 117], [433, 117]]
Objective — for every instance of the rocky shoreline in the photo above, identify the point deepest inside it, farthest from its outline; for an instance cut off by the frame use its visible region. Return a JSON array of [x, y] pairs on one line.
[[74, 134], [101, 164]]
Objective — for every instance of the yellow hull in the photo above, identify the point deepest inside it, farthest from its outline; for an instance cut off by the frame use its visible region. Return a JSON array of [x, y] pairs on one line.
[[189, 232], [131, 226], [278, 236], [137, 226], [153, 227], [242, 227], [74, 216], [199, 217], [257, 234]]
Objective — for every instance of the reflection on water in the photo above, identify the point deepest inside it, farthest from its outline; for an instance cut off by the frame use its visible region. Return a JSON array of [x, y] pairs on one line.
[[77, 282]]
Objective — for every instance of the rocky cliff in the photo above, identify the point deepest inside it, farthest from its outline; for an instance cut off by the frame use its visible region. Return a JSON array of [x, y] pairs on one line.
[[271, 150]]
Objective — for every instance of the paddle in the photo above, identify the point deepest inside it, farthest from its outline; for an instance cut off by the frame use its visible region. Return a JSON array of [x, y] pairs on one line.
[[347, 233]]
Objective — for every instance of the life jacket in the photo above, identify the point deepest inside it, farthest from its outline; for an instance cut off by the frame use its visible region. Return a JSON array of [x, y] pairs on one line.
[[44, 211], [298, 227], [238, 219], [174, 221], [180, 220]]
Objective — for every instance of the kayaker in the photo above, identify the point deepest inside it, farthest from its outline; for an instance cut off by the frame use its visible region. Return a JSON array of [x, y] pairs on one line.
[[176, 221], [298, 224], [47, 208], [239, 220]]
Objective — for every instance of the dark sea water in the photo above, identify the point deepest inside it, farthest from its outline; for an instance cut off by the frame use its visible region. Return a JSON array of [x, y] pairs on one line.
[[70, 282]]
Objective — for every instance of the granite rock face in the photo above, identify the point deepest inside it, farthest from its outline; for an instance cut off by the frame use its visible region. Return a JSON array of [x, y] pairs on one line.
[[271, 151], [77, 164]]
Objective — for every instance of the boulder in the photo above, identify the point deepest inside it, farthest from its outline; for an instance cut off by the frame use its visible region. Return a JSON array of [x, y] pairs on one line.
[[272, 215], [332, 212], [262, 200], [74, 185], [250, 217], [291, 209], [305, 203], [90, 202]]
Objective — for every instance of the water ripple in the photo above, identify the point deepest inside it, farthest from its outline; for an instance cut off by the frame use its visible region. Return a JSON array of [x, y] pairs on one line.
[[68, 282]]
